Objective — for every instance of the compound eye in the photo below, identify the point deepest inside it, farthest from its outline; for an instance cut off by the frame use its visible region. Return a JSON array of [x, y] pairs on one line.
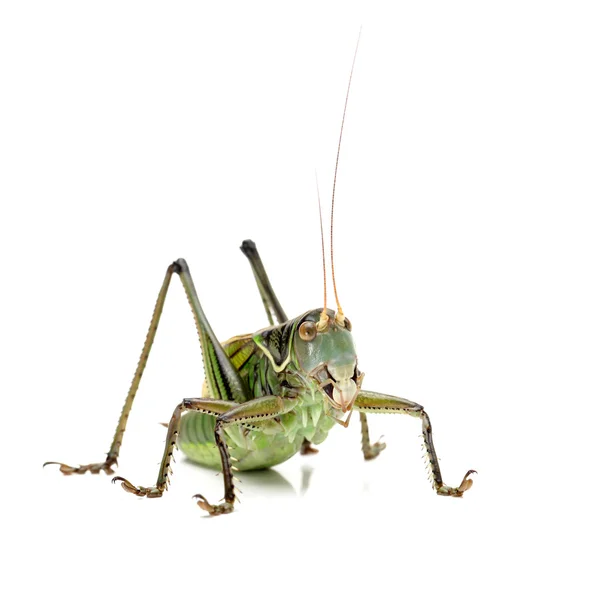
[[347, 324], [308, 331]]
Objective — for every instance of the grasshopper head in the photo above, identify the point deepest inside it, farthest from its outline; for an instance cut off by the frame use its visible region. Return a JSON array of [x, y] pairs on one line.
[[325, 351]]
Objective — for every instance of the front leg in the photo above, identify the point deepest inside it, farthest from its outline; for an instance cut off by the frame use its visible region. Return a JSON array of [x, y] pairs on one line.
[[258, 413], [374, 402]]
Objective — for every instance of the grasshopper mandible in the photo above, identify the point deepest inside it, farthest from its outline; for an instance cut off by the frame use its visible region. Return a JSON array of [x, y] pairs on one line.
[[267, 395]]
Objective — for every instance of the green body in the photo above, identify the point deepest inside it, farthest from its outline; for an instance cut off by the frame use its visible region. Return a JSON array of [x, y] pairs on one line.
[[255, 448]]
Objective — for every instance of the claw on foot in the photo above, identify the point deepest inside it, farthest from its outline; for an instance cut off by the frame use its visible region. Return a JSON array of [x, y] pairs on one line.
[[467, 482], [464, 486], [151, 492], [221, 509], [94, 468]]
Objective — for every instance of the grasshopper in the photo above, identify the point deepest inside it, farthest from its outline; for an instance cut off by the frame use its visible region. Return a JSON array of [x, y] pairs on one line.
[[267, 395]]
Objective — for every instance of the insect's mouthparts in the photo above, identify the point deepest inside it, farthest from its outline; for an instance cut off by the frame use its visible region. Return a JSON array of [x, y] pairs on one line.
[[344, 394], [341, 389]]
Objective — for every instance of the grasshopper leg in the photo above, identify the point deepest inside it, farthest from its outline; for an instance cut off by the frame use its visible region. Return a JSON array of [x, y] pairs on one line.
[[220, 367], [115, 447], [95, 468], [211, 406], [307, 448], [150, 492], [379, 403], [258, 412], [267, 294], [370, 451]]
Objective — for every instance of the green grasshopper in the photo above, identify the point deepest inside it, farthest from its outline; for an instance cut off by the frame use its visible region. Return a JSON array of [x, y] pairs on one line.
[[267, 395]]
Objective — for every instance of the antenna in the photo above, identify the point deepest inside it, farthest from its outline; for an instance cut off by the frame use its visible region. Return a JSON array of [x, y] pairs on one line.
[[323, 320], [339, 316]]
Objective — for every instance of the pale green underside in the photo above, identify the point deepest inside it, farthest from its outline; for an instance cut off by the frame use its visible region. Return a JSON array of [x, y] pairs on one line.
[[254, 449]]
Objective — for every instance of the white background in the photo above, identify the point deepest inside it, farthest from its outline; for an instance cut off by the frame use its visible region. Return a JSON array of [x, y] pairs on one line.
[[467, 258]]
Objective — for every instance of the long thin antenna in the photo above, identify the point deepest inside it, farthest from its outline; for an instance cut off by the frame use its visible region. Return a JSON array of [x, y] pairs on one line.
[[322, 246], [339, 316]]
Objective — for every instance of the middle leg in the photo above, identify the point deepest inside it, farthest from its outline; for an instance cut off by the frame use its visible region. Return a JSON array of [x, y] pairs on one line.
[[370, 451]]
